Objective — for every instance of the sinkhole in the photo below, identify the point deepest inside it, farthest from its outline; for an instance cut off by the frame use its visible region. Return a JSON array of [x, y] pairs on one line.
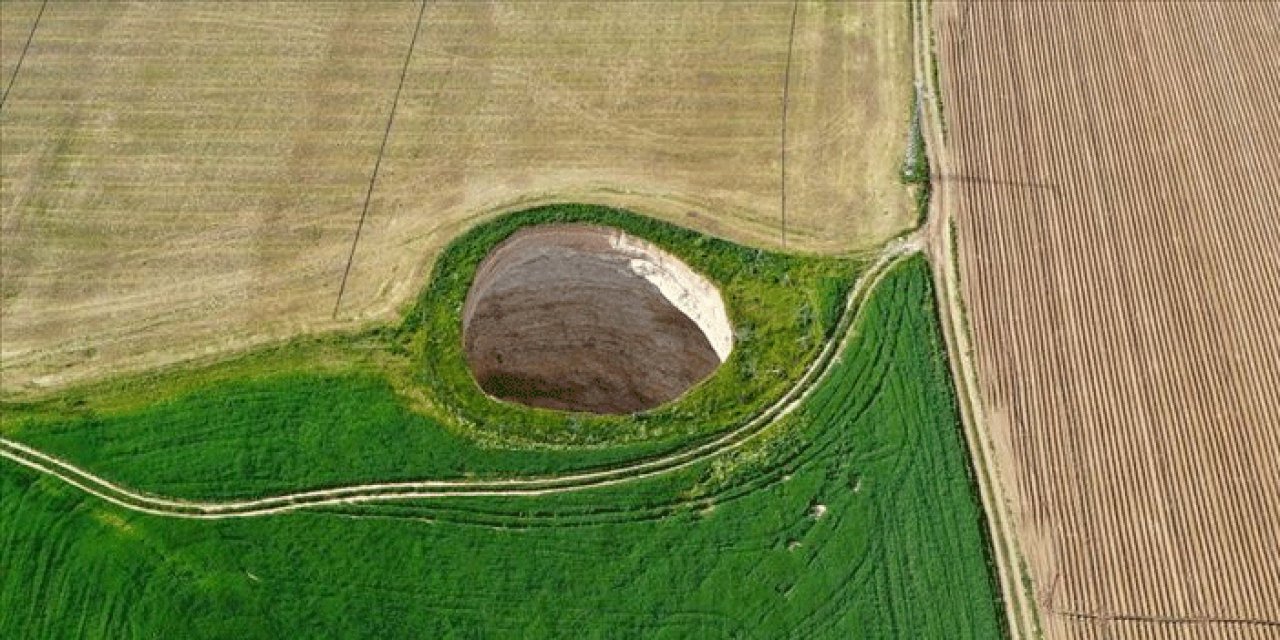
[[581, 317]]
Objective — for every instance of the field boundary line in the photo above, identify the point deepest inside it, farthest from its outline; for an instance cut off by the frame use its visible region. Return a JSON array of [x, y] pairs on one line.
[[4, 99], [377, 163], [786, 96], [1155, 619]]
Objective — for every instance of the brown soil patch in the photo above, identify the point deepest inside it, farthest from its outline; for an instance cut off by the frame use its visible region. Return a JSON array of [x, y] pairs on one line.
[[1114, 188], [587, 318]]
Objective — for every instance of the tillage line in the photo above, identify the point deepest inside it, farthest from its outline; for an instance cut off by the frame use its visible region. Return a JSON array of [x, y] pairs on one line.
[[786, 89], [23, 56], [1156, 619], [373, 179]]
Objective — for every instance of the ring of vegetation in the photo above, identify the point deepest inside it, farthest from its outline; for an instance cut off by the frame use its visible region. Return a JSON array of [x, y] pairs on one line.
[[780, 307]]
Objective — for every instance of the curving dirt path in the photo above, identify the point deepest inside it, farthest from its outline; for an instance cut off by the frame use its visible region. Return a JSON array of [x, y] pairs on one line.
[[142, 502], [529, 486]]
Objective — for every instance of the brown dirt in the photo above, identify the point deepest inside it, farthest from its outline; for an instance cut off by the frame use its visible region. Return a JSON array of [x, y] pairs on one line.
[[586, 318], [1114, 196], [184, 179]]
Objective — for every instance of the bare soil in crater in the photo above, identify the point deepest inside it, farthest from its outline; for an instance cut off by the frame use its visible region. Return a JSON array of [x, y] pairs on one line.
[[587, 318]]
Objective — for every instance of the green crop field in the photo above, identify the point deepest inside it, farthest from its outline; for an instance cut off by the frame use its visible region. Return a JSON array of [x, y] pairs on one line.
[[853, 516]]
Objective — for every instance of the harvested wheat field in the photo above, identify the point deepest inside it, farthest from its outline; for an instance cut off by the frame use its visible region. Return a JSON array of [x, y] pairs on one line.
[[1113, 179], [189, 179]]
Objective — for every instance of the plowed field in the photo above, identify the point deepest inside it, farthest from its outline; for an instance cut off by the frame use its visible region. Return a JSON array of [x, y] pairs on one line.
[[1114, 181]]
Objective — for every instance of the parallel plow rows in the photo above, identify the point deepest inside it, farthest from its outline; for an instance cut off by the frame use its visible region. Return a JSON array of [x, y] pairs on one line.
[[1114, 181]]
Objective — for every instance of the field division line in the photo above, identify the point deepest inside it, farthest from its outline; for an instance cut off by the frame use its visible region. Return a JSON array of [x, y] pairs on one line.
[[1014, 588], [786, 94], [1107, 618], [22, 56], [377, 163]]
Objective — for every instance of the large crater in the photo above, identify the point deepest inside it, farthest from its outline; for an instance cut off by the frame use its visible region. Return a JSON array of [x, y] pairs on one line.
[[587, 318]]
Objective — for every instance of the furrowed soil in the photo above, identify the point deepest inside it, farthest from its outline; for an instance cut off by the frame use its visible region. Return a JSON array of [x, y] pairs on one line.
[[186, 180], [1113, 179]]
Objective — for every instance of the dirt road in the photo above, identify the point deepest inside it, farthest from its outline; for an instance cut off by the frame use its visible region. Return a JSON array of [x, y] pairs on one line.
[[936, 232]]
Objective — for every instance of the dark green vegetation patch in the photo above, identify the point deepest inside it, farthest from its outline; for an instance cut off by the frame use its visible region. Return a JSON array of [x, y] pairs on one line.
[[855, 517]]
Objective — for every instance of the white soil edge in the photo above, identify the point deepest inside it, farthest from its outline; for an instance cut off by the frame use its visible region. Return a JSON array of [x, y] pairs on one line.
[[686, 290]]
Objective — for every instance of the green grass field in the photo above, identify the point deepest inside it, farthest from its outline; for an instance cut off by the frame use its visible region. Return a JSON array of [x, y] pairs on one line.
[[854, 517]]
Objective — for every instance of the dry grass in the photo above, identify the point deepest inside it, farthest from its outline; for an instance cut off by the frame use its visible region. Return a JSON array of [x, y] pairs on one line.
[[16, 21], [182, 178], [185, 179], [673, 109], [1115, 190]]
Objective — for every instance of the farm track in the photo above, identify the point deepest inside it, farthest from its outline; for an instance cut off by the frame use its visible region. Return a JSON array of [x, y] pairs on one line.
[[1019, 607], [377, 163], [533, 486], [1116, 246], [786, 98]]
